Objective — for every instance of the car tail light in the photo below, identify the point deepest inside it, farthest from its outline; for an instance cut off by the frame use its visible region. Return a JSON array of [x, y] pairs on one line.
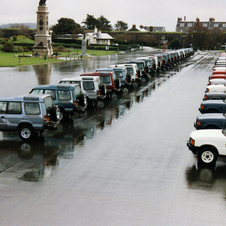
[[136, 75], [192, 141], [205, 97], [75, 103], [209, 83], [207, 90], [45, 118], [202, 107], [198, 123], [98, 92]]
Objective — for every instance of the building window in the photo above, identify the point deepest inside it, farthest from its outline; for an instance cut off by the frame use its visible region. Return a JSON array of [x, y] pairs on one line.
[[189, 24], [182, 25], [216, 25], [205, 24], [223, 25]]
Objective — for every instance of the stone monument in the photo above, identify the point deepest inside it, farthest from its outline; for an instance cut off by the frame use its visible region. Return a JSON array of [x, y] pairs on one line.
[[43, 41]]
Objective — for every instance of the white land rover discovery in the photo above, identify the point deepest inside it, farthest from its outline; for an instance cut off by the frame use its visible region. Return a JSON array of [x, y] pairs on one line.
[[208, 144]]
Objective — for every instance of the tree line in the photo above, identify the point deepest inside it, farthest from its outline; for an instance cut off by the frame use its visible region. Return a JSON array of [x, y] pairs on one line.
[[69, 26]]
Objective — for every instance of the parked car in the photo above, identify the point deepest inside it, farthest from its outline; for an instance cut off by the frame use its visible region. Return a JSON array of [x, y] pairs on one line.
[[210, 121], [216, 88], [28, 115], [69, 98], [132, 71], [215, 96], [147, 64], [109, 79], [217, 81], [208, 144], [121, 74], [91, 86], [217, 76], [213, 106], [219, 68]]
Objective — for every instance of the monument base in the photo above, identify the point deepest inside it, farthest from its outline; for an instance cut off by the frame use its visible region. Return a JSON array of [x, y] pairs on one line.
[[42, 51]]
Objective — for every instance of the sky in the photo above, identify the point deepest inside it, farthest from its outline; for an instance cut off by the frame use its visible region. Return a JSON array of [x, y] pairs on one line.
[[138, 12]]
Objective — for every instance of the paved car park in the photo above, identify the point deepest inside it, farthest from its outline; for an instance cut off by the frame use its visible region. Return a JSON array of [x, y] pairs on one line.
[[127, 164]]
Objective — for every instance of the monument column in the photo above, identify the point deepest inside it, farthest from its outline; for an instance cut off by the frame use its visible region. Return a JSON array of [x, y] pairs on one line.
[[43, 41]]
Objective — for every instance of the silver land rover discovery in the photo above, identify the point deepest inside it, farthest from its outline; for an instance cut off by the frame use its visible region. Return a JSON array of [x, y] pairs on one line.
[[29, 115]]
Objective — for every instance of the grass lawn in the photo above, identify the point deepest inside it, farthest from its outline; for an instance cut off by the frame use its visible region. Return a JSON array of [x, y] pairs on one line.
[[12, 59]]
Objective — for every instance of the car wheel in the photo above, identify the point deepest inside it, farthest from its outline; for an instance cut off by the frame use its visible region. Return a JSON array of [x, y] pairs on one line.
[[207, 156], [103, 90], [63, 115], [55, 114], [26, 132]]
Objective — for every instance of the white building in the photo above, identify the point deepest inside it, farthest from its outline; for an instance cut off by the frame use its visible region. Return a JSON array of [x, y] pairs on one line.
[[97, 37]]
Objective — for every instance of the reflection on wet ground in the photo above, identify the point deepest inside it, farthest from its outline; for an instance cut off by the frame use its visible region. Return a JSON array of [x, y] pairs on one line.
[[37, 160], [211, 178]]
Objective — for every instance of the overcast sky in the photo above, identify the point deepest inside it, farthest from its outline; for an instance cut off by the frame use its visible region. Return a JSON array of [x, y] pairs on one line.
[[139, 12]]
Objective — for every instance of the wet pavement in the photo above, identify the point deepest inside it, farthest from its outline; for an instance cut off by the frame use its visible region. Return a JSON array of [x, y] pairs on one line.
[[125, 163]]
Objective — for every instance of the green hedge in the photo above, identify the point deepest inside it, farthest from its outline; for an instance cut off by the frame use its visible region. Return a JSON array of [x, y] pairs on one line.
[[67, 41]]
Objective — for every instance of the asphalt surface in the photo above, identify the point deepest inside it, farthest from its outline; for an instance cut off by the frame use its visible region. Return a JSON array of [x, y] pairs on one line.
[[126, 164]]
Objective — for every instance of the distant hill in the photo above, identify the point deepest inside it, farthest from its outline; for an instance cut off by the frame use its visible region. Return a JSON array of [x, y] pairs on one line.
[[30, 25]]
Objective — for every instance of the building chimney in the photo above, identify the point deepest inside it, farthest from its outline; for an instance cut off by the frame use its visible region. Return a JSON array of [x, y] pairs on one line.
[[134, 26], [179, 19], [211, 19], [141, 26]]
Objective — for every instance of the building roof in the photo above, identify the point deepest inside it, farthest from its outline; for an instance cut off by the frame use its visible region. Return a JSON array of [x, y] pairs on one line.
[[100, 35]]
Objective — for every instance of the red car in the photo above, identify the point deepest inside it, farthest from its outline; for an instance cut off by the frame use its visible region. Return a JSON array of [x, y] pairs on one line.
[[217, 76], [219, 72]]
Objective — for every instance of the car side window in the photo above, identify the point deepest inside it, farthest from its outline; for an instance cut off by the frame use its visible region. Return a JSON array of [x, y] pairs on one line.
[[32, 108], [3, 105], [64, 94], [51, 92], [14, 108], [88, 86], [37, 91]]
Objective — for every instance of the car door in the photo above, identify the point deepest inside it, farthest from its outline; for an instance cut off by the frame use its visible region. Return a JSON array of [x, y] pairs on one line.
[[3, 106], [14, 115]]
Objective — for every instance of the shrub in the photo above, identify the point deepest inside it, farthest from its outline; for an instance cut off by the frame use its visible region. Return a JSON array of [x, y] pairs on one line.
[[18, 49], [8, 47]]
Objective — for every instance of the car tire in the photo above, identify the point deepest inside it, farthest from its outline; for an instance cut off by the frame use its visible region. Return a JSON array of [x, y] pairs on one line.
[[103, 90], [63, 116], [207, 156], [26, 132], [55, 114], [83, 100]]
